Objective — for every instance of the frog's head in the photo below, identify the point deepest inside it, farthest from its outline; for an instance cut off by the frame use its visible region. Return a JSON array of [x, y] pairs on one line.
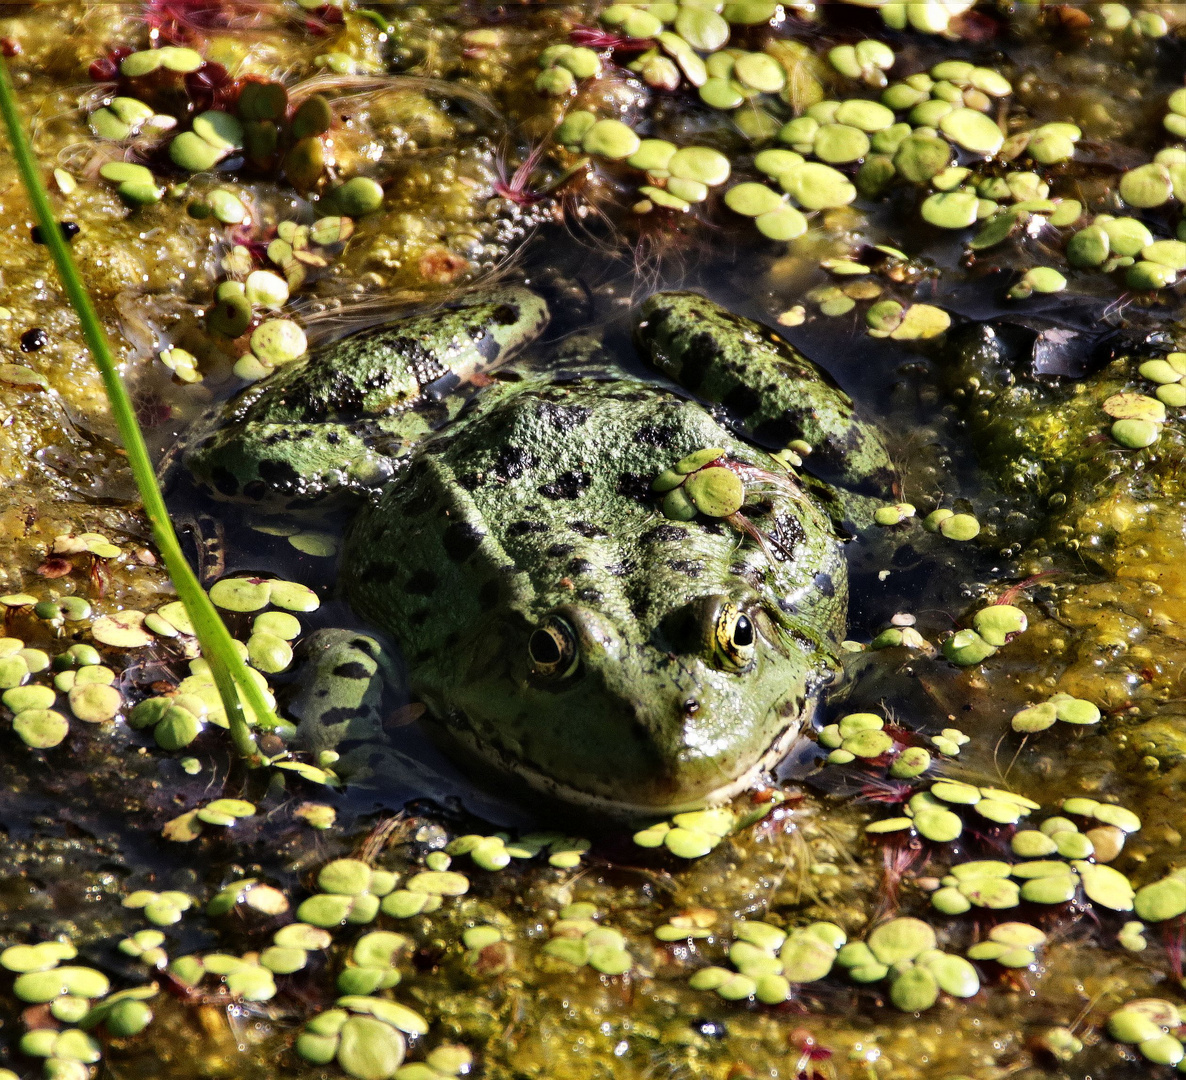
[[582, 708], [563, 630]]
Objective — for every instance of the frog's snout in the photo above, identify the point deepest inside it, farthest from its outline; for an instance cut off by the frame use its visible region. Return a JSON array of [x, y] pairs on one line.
[[676, 728]]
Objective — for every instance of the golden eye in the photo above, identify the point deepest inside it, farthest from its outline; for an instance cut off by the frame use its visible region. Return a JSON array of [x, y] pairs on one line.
[[553, 649], [733, 638]]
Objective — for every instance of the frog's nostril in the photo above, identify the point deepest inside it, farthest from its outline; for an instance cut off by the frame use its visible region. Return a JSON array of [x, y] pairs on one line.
[[691, 707]]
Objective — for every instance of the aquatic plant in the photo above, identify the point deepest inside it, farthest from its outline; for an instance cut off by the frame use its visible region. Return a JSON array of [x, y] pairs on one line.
[[228, 670]]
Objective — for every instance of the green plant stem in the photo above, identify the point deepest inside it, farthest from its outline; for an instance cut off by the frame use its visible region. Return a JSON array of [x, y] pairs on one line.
[[218, 647]]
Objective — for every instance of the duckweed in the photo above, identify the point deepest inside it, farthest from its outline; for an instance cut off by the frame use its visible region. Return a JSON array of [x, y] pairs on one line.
[[689, 835], [1136, 434], [278, 341], [160, 909], [365, 1035], [43, 956], [358, 196], [858, 735], [967, 648], [1010, 944], [1161, 900], [868, 60], [930, 814], [1148, 1023], [244, 978], [753, 199], [580, 941], [949, 741], [817, 187], [951, 209], [1147, 186], [169, 57], [904, 951], [40, 729], [122, 630], [372, 963], [1040, 279], [972, 130], [41, 987], [768, 960], [783, 224], [998, 624], [1064, 707], [960, 527], [487, 852], [893, 515]]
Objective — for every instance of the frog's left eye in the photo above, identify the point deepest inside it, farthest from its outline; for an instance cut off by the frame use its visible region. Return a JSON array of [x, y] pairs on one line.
[[733, 638], [553, 649]]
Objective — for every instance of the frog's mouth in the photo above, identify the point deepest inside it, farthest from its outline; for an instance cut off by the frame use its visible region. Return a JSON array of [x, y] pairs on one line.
[[481, 757]]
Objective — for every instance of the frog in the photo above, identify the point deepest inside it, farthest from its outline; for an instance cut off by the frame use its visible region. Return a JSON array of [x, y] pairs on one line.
[[621, 593]]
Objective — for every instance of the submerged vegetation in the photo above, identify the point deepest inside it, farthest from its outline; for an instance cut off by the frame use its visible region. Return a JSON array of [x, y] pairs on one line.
[[971, 866]]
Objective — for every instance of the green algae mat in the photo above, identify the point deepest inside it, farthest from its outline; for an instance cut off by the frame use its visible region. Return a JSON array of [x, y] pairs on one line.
[[957, 854]]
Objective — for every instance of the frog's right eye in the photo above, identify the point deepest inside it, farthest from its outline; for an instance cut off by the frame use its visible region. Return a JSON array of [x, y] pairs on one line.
[[553, 649]]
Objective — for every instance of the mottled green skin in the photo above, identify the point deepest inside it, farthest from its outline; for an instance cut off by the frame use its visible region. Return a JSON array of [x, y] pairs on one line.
[[338, 695], [338, 420], [775, 394], [536, 503], [539, 504]]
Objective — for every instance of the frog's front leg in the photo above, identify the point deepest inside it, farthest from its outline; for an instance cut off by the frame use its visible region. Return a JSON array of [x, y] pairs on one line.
[[775, 395], [337, 420]]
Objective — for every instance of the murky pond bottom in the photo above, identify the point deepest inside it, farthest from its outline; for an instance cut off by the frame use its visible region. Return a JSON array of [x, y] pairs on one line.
[[969, 865]]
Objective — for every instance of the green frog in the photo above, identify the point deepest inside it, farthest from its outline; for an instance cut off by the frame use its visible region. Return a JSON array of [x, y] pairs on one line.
[[622, 593]]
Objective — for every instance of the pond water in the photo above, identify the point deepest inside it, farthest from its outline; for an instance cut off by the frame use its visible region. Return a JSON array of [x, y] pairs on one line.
[[968, 865]]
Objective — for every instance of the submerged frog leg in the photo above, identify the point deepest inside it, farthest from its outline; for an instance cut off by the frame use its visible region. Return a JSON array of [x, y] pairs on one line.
[[335, 420], [209, 540], [343, 681], [777, 397]]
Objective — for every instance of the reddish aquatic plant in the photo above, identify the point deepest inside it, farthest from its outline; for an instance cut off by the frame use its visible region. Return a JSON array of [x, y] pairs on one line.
[[1173, 936], [185, 22], [106, 68], [975, 26], [899, 853], [441, 266], [593, 37], [99, 576], [883, 791], [322, 20], [517, 187], [811, 1052], [55, 567], [210, 87], [1014, 591], [181, 21], [246, 235]]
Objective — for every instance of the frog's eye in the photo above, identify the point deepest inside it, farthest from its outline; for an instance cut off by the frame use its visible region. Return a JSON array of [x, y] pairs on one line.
[[553, 649], [733, 637]]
